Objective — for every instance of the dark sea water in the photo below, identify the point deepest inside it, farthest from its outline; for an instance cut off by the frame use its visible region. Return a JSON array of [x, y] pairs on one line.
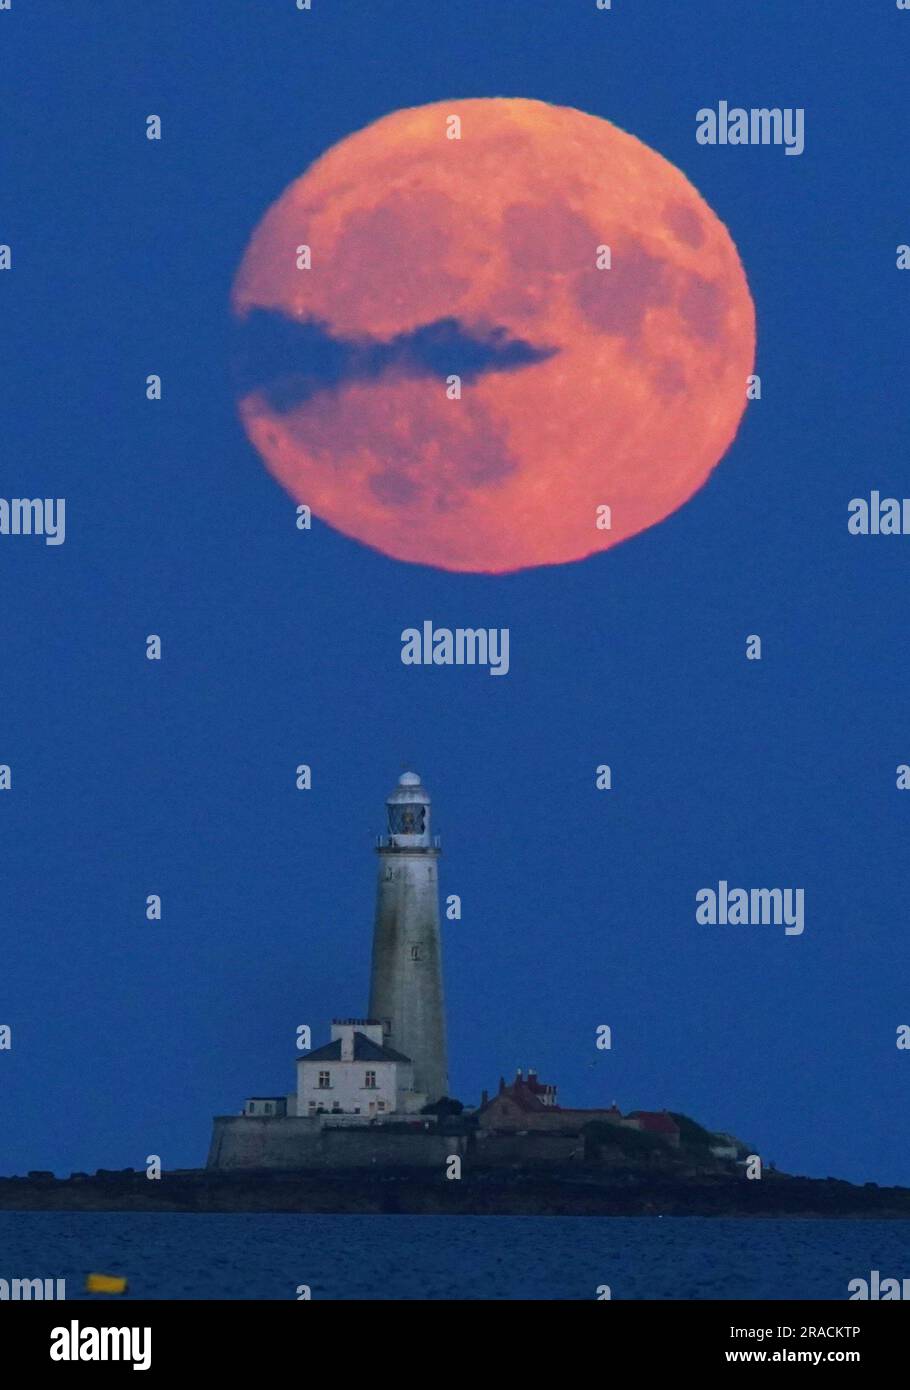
[[177, 1255]]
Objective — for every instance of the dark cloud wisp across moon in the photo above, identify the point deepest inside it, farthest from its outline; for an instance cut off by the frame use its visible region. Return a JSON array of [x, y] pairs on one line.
[[288, 362]]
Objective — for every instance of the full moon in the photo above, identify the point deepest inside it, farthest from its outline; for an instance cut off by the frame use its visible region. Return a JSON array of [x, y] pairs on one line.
[[502, 334]]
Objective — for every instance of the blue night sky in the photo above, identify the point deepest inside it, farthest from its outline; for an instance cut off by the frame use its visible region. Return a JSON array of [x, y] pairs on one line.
[[132, 777]]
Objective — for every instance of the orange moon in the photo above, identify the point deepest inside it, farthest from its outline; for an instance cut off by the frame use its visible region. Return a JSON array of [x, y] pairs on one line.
[[592, 304]]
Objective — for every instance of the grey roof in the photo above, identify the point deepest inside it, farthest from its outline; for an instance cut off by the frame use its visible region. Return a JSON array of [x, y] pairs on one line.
[[365, 1050]]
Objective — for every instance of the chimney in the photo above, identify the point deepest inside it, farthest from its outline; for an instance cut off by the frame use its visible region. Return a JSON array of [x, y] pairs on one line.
[[347, 1044], [502, 1084], [484, 1098]]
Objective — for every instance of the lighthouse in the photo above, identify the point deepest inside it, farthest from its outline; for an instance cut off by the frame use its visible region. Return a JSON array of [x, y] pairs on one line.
[[406, 975]]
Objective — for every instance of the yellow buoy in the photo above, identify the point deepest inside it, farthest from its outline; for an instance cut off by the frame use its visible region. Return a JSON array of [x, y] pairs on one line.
[[105, 1283]]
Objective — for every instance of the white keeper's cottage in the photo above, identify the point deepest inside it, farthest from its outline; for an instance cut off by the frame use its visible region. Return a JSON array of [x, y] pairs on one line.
[[355, 1074]]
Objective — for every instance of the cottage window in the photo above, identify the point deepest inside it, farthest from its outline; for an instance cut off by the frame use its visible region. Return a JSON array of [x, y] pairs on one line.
[[325, 1080], [370, 1082]]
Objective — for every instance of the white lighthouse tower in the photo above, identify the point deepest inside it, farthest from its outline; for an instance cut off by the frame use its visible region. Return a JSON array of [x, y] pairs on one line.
[[406, 977]]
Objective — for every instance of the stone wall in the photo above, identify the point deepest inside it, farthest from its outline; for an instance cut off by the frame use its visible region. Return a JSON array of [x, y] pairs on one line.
[[526, 1150], [242, 1141]]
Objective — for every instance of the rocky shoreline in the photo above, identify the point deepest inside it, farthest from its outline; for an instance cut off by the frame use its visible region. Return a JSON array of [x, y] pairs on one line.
[[516, 1192]]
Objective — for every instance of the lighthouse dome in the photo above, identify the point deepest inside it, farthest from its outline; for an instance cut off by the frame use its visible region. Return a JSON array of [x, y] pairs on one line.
[[410, 790]]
